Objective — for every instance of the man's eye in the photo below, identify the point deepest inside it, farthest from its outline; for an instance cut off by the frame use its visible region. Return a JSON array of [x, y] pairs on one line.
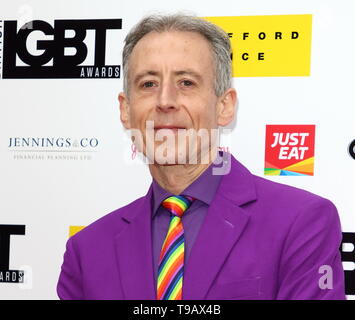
[[148, 84], [187, 83]]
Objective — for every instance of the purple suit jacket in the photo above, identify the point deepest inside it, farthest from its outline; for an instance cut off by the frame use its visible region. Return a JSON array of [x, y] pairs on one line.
[[259, 240]]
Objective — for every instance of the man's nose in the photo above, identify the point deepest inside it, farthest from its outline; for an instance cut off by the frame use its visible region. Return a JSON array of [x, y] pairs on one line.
[[167, 98]]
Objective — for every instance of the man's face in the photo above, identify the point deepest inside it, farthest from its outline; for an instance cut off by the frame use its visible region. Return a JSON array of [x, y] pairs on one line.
[[171, 82]]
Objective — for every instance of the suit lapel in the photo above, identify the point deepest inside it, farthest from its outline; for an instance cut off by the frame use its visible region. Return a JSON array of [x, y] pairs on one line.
[[221, 230], [223, 226], [217, 236], [134, 253]]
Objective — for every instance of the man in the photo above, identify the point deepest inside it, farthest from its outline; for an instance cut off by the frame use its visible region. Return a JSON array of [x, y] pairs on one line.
[[203, 231]]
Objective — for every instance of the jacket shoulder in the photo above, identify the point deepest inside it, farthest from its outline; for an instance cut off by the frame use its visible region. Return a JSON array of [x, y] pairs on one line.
[[281, 191], [289, 201], [108, 225]]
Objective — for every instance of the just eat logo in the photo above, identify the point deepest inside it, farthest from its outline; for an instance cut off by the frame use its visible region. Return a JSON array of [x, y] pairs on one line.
[[289, 150]]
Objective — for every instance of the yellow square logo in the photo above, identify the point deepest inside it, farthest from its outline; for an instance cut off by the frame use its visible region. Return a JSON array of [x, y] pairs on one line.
[[269, 46], [74, 229]]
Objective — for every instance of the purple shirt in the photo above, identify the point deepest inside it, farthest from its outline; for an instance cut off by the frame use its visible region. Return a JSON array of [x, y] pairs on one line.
[[203, 189]]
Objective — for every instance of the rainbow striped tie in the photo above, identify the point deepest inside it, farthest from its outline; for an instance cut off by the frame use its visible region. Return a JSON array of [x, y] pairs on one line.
[[171, 260]]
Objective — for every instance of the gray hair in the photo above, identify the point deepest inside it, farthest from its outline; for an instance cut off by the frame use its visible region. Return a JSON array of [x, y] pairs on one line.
[[217, 38]]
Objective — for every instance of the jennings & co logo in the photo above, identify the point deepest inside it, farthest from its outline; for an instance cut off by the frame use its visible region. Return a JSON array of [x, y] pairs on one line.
[[38, 49], [289, 150], [52, 148], [6, 275], [269, 46]]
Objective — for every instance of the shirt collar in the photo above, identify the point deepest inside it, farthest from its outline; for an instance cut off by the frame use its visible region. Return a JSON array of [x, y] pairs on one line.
[[203, 188]]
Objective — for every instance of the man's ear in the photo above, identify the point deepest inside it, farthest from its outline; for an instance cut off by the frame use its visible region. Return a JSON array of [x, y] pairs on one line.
[[226, 106], [124, 110]]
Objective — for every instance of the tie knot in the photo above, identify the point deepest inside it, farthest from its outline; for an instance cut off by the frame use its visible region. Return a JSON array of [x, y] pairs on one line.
[[177, 205]]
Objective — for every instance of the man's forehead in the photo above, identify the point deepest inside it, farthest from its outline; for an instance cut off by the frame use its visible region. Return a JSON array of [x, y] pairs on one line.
[[187, 35], [171, 41], [186, 52]]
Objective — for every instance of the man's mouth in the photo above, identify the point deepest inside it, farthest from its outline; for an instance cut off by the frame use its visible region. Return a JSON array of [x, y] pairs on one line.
[[170, 127]]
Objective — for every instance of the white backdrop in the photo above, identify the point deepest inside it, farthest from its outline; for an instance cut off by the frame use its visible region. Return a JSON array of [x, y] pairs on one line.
[[56, 190]]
